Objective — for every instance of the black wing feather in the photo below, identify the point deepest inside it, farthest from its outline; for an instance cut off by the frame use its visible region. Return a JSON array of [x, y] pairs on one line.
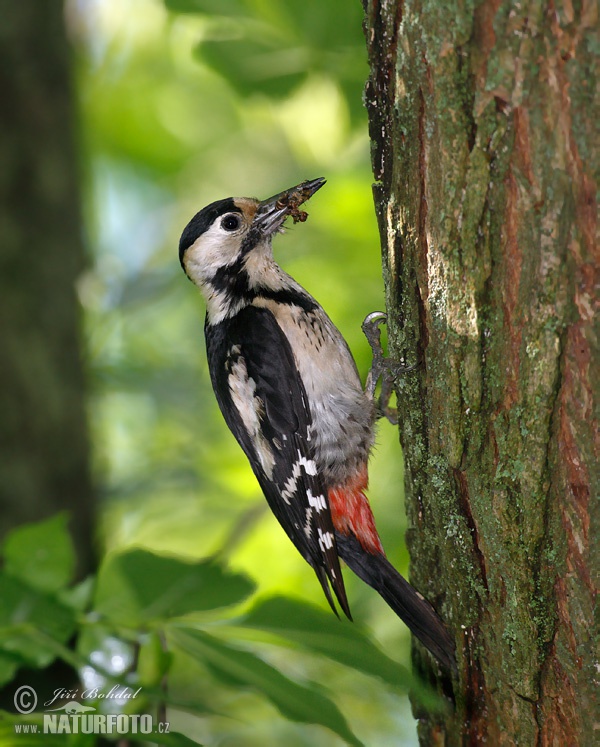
[[253, 342]]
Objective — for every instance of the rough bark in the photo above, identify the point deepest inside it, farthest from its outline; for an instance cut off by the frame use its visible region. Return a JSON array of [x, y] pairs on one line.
[[482, 128], [44, 462]]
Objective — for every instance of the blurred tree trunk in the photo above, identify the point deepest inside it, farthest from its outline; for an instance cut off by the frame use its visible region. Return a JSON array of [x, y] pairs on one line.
[[44, 465], [482, 129]]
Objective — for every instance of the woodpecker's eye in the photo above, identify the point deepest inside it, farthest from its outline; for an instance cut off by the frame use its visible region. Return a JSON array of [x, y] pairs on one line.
[[231, 222]]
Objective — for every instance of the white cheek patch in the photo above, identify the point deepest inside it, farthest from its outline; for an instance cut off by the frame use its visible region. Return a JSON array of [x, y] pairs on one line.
[[212, 250], [249, 407]]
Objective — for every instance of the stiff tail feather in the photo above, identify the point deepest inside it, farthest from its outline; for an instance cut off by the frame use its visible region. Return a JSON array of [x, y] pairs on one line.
[[416, 612]]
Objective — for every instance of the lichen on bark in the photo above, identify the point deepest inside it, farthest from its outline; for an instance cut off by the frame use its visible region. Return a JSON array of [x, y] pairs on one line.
[[483, 137]]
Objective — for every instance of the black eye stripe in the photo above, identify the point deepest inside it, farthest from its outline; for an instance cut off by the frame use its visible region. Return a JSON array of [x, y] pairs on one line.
[[231, 222]]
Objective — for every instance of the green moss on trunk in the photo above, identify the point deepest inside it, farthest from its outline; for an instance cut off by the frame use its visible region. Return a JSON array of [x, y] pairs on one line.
[[482, 127]]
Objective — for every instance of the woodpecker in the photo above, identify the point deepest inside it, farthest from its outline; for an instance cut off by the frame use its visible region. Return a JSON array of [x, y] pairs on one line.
[[289, 390]]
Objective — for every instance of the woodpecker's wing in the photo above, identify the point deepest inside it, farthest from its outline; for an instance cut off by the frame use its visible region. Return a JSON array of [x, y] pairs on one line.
[[264, 403]]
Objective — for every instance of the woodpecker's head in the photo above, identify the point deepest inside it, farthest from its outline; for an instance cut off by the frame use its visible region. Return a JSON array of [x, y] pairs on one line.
[[226, 248]]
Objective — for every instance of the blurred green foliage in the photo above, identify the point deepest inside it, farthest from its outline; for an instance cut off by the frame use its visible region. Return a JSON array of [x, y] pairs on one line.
[[146, 611], [184, 102]]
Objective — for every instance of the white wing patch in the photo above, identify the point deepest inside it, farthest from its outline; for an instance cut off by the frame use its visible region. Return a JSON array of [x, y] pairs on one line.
[[325, 540], [289, 490], [317, 502], [250, 407], [308, 523]]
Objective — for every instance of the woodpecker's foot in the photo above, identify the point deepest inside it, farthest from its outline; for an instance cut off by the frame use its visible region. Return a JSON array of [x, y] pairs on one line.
[[381, 368]]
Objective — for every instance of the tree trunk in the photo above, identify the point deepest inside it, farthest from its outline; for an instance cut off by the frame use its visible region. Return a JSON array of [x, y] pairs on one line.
[[44, 462], [482, 131]]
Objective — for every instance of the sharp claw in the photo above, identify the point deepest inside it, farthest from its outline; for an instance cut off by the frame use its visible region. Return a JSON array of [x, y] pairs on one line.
[[370, 326]]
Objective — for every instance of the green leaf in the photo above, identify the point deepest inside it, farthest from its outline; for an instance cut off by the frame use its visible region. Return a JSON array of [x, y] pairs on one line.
[[322, 633], [78, 597], [153, 660], [340, 640], [296, 702], [225, 7], [173, 739], [96, 647], [27, 731], [137, 587], [272, 48], [41, 554], [30, 621], [19, 731], [253, 66], [8, 667]]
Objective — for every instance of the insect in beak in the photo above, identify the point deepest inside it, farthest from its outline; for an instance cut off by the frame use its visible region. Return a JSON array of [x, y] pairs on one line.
[[273, 211]]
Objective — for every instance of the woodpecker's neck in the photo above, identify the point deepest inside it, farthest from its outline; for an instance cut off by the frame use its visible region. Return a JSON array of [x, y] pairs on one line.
[[253, 275]]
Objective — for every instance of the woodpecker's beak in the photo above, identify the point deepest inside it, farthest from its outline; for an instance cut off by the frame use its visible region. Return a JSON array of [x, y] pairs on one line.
[[272, 212]]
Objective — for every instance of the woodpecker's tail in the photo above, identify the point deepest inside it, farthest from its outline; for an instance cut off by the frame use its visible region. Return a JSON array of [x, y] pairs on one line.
[[420, 617]]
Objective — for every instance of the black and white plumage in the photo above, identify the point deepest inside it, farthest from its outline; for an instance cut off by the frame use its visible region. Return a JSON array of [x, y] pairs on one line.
[[265, 405], [289, 390]]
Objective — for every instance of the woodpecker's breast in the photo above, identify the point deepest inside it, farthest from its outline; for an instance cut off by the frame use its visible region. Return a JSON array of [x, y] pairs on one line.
[[343, 416]]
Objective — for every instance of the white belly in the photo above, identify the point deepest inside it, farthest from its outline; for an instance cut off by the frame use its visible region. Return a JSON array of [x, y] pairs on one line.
[[342, 414]]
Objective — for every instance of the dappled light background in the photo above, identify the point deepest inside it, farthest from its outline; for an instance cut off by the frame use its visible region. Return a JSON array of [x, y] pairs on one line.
[[184, 102]]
